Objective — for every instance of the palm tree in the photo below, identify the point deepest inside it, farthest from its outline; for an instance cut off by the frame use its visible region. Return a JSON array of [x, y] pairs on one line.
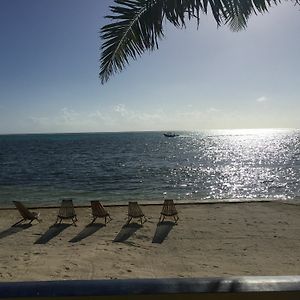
[[137, 25]]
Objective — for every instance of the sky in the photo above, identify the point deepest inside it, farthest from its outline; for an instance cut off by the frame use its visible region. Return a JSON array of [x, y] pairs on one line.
[[210, 78]]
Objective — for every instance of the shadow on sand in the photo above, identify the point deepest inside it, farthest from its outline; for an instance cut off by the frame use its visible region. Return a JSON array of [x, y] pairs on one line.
[[87, 231], [14, 229], [127, 231], [52, 232], [162, 231]]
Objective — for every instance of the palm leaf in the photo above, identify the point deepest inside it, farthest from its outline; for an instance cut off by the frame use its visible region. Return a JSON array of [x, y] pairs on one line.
[[137, 25], [237, 17]]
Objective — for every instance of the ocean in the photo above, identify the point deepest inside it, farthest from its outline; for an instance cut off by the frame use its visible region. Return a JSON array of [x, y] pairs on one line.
[[212, 165]]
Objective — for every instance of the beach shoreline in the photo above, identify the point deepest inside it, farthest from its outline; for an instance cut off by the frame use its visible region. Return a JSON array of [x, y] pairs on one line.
[[157, 202], [219, 239]]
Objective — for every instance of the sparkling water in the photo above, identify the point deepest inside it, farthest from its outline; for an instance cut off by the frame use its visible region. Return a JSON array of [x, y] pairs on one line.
[[216, 165]]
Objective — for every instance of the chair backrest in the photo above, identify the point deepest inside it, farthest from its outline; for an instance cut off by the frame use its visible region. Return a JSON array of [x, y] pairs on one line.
[[97, 209], [67, 209], [169, 208], [134, 210], [25, 213]]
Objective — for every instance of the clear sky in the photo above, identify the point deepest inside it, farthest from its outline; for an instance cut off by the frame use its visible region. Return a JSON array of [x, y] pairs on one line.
[[198, 79]]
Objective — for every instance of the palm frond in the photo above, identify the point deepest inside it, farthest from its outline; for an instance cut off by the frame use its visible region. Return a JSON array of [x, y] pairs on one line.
[[137, 25], [240, 11]]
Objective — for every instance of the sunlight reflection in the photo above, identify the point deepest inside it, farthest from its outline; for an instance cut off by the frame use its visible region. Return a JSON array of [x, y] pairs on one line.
[[247, 163]]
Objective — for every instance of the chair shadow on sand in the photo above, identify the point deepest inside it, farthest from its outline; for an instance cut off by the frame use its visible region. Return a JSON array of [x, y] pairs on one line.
[[86, 232], [52, 232], [127, 231], [14, 229], [162, 231]]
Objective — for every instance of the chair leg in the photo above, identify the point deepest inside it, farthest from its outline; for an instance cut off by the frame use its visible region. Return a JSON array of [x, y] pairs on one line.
[[74, 220], [128, 221], [18, 223], [161, 219], [175, 219], [107, 219], [34, 219], [94, 219]]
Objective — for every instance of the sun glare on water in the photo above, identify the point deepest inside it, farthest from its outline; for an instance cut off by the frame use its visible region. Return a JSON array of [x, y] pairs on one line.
[[243, 163]]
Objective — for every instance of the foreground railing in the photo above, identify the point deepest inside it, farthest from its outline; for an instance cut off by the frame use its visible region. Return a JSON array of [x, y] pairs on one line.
[[252, 287]]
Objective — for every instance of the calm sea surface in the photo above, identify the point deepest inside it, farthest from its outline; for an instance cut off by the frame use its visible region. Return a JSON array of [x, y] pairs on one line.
[[116, 167]]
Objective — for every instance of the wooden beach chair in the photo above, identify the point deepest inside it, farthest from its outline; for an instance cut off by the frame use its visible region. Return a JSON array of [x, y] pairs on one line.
[[169, 210], [98, 211], [25, 213], [134, 211], [66, 211]]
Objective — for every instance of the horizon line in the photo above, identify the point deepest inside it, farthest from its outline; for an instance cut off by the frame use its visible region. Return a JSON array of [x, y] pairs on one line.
[[138, 131]]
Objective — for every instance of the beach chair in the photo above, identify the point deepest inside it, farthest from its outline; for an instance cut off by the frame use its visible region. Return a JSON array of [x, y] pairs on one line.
[[98, 211], [25, 213], [66, 211], [169, 210], [134, 211]]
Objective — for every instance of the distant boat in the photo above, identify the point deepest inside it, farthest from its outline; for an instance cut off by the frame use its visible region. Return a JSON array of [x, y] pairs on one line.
[[170, 134]]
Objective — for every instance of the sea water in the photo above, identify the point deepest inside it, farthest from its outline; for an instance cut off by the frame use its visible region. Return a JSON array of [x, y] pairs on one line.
[[218, 165]]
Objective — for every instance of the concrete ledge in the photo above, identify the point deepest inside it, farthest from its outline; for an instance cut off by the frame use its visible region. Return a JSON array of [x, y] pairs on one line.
[[279, 285]]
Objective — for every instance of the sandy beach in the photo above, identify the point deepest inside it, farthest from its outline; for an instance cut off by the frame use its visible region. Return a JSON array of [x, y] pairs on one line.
[[209, 240]]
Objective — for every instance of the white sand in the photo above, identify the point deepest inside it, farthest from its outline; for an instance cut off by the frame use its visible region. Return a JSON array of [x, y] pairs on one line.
[[209, 240]]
